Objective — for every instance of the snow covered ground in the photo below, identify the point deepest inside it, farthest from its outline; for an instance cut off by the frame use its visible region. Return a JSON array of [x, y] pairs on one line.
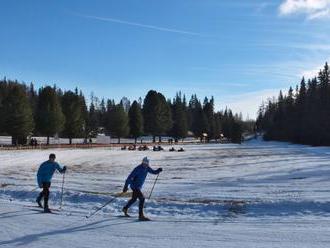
[[259, 194]]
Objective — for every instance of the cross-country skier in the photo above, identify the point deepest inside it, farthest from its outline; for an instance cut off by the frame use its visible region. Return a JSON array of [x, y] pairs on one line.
[[44, 178], [136, 180]]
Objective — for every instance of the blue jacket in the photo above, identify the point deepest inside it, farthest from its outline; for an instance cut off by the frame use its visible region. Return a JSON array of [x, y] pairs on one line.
[[46, 172], [138, 176]]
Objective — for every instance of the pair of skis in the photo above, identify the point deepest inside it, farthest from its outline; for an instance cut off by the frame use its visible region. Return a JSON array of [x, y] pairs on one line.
[[61, 202], [140, 219], [120, 194]]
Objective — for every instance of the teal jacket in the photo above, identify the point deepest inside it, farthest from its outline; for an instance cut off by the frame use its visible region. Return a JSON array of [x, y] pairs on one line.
[[46, 172]]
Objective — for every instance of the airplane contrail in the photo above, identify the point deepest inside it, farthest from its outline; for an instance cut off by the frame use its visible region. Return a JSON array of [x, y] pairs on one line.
[[107, 19]]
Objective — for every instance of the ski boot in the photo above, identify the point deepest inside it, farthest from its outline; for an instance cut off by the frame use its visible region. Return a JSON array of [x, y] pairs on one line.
[[143, 218], [47, 210], [125, 212], [38, 200]]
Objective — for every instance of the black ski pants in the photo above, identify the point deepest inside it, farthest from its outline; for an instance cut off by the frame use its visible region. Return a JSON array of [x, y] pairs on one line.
[[45, 193], [137, 194]]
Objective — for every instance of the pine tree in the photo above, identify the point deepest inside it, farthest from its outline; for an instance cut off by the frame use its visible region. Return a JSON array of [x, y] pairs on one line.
[[279, 120], [199, 123], [33, 100], [102, 113], [209, 113], [312, 108], [305, 118], [227, 123], [156, 114], [17, 114], [179, 114], [236, 136], [324, 106], [135, 120], [84, 115], [290, 115], [301, 114], [126, 104], [3, 94], [161, 116], [72, 110], [217, 125], [93, 120], [117, 124], [49, 116]]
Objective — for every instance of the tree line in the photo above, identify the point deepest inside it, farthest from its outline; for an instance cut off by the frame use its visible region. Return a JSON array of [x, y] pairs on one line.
[[50, 111], [301, 116]]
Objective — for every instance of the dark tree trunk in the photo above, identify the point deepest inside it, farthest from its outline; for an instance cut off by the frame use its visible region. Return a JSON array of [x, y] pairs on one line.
[[14, 140]]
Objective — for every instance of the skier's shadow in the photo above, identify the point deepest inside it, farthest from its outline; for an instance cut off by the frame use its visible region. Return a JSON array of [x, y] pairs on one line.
[[9, 213], [27, 239], [14, 214], [234, 209]]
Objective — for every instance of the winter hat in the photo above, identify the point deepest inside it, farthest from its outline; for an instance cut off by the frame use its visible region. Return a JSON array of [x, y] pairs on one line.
[[52, 156], [145, 160]]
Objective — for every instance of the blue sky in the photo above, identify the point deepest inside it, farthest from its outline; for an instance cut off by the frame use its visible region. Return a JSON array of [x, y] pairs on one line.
[[239, 51]]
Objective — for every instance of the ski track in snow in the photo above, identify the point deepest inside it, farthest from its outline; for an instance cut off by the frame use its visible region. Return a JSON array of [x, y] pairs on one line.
[[259, 194]]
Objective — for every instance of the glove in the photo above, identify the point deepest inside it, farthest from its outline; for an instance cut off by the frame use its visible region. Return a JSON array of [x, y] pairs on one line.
[[125, 189], [160, 170], [64, 169]]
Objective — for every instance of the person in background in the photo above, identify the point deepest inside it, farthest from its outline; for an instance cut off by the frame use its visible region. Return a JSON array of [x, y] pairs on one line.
[[44, 178]]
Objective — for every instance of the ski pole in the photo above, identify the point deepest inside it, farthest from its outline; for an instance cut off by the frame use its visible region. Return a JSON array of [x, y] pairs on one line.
[[152, 189], [62, 191], [34, 189], [108, 202]]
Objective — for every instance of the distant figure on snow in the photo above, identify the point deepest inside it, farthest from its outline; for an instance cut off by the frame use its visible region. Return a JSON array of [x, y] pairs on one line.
[[44, 177], [32, 142], [136, 180], [143, 148], [157, 148], [132, 147]]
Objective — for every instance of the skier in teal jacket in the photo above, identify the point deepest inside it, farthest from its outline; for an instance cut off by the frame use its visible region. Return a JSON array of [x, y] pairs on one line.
[[136, 180], [44, 178]]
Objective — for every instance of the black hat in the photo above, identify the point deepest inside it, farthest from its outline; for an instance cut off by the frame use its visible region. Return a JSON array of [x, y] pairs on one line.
[[52, 156]]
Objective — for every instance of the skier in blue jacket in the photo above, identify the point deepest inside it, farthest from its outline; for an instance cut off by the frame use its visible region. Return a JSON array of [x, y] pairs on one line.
[[136, 180], [44, 178]]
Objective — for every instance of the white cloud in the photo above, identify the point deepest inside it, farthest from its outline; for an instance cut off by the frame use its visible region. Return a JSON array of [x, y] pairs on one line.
[[314, 9], [309, 74], [248, 103], [319, 14]]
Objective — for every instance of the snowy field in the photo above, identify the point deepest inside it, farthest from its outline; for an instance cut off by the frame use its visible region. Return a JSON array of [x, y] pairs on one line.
[[259, 194]]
